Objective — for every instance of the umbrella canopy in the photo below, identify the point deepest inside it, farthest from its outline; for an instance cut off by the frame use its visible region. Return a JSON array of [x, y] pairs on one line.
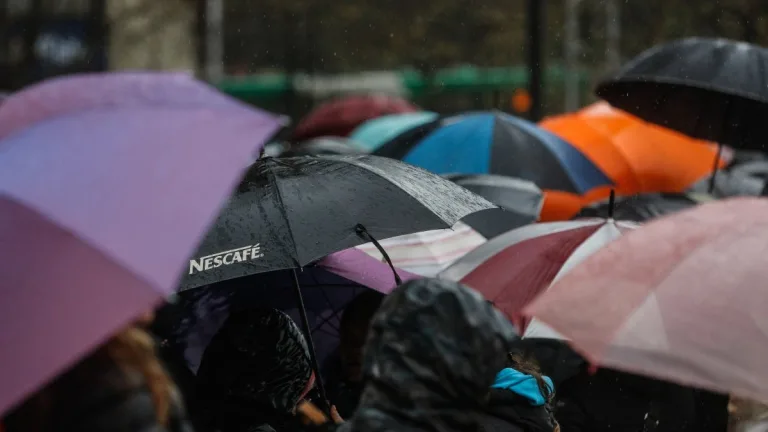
[[681, 298], [638, 156], [324, 146], [712, 89], [514, 268], [497, 143], [101, 202], [289, 212], [327, 287], [375, 132], [427, 253], [520, 202], [640, 208], [340, 117], [743, 179]]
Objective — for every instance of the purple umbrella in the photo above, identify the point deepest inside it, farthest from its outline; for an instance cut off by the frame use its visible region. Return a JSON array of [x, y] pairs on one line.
[[327, 287], [107, 182]]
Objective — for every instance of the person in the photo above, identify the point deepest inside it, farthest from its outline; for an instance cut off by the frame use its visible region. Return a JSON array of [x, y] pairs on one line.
[[520, 399], [347, 385], [253, 373], [121, 387], [433, 351]]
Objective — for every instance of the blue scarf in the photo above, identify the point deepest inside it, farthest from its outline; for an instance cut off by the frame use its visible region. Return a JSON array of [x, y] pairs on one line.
[[523, 384]]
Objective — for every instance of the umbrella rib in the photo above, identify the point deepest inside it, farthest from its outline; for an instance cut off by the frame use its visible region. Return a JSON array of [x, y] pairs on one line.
[[284, 213]]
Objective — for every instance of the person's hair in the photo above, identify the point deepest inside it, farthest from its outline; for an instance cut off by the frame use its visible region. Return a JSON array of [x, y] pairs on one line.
[[132, 351], [529, 366]]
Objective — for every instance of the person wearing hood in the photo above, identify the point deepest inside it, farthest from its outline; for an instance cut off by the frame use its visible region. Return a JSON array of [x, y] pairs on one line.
[[434, 349], [520, 400], [254, 373]]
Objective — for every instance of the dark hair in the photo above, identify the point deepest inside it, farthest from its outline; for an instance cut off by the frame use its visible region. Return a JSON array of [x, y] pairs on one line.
[[529, 366]]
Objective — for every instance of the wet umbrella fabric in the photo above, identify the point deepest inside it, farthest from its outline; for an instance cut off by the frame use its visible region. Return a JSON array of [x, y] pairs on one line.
[[376, 132], [643, 207], [426, 253], [324, 146], [712, 89], [520, 202], [743, 179], [102, 202], [497, 143], [681, 298], [340, 117], [327, 287], [421, 360], [290, 212], [515, 268]]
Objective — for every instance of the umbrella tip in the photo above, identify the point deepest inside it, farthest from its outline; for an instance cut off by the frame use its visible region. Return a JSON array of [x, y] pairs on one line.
[[611, 203]]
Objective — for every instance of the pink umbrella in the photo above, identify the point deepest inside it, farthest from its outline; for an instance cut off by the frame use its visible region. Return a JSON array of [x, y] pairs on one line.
[[514, 268], [682, 298], [107, 182]]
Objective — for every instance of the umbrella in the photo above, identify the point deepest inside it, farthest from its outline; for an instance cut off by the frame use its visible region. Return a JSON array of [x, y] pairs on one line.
[[340, 117], [520, 202], [289, 212], [743, 179], [375, 132], [681, 298], [427, 253], [638, 156], [324, 146], [497, 143], [327, 287], [712, 89], [640, 208], [102, 202], [514, 268]]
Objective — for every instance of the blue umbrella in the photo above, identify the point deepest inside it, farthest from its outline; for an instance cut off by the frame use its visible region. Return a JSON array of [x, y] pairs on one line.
[[373, 133], [497, 143]]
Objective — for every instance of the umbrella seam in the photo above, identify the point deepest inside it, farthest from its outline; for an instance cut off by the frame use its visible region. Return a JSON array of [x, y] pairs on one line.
[[285, 217]]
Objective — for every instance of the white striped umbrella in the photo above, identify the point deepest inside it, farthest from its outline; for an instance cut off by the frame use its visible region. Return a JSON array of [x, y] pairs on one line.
[[427, 253], [514, 268]]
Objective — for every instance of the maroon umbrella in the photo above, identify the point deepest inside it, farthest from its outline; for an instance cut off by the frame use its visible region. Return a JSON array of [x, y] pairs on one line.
[[514, 268], [107, 183], [340, 116]]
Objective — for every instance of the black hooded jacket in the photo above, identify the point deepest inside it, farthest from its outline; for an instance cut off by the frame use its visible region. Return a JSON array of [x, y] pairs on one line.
[[253, 373], [432, 354], [509, 412]]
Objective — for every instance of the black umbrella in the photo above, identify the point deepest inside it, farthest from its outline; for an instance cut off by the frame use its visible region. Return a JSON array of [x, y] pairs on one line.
[[324, 146], [712, 89], [520, 202], [643, 207], [287, 213]]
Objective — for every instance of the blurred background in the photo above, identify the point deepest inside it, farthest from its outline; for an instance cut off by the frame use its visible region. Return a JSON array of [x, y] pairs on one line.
[[527, 57]]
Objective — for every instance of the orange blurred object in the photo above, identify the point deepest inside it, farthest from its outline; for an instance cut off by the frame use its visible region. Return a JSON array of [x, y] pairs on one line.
[[638, 156]]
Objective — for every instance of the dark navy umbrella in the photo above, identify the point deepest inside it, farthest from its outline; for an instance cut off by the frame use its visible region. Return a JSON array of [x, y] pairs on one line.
[[497, 143], [712, 89]]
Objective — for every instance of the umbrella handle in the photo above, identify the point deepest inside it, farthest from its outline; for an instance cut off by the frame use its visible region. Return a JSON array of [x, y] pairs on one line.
[[364, 234], [308, 333], [712, 179]]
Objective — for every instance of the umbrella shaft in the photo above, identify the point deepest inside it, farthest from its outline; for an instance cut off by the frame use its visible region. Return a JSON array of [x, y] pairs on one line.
[[308, 333]]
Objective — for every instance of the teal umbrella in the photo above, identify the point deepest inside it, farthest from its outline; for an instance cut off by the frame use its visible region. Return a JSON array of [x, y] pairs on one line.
[[375, 132]]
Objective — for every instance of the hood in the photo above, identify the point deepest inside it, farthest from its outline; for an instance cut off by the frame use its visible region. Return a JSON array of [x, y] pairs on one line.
[[257, 366], [432, 353]]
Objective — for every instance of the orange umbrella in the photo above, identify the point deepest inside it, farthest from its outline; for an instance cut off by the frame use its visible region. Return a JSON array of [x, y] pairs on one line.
[[638, 156]]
